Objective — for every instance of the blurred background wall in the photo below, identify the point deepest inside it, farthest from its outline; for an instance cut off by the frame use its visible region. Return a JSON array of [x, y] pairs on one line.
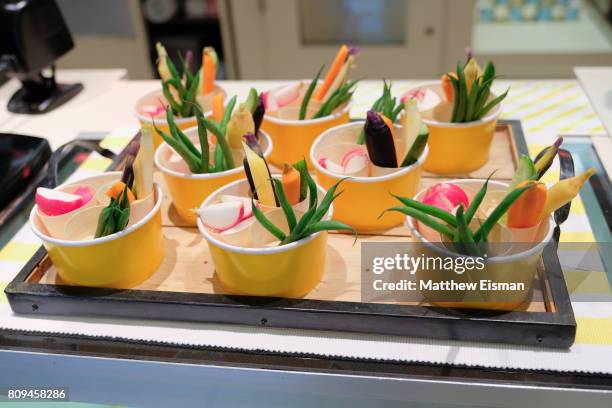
[[259, 39]]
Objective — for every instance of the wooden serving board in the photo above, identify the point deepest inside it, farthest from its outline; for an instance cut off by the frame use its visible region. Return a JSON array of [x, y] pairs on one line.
[[187, 266], [186, 282]]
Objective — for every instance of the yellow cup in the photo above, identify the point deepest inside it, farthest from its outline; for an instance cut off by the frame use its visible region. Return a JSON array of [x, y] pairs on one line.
[[121, 260], [153, 98], [189, 190], [290, 270], [456, 148], [293, 138], [363, 199], [518, 264]]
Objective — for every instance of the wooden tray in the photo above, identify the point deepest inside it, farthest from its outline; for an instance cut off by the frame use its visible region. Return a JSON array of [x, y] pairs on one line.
[[185, 287]]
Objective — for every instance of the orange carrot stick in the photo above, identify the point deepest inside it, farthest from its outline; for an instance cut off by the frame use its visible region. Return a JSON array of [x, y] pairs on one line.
[[291, 184], [208, 83], [333, 72], [117, 190], [527, 210], [395, 141], [447, 86], [217, 107], [388, 123]]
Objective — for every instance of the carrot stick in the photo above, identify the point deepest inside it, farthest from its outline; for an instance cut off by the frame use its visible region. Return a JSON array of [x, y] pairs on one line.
[[208, 83], [333, 72], [117, 190], [291, 184], [217, 107], [447, 86], [527, 211], [395, 141], [388, 123]]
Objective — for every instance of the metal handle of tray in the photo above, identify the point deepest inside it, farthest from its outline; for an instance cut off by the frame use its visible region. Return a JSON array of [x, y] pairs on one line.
[[56, 158], [567, 170]]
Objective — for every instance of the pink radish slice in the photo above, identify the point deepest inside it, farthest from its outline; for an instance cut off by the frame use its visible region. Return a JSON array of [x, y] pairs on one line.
[[287, 94], [417, 94], [176, 163], [85, 193], [426, 98], [238, 227], [327, 164], [246, 202], [354, 160], [53, 203], [222, 216], [269, 101], [153, 110], [446, 196]]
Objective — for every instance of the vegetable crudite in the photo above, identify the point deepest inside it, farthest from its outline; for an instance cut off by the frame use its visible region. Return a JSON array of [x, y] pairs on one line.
[[182, 91], [506, 225], [100, 243], [379, 158], [197, 161], [264, 242], [298, 112], [461, 113]]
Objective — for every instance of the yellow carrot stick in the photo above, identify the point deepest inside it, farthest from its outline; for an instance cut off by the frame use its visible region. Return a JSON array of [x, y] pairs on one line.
[[564, 191], [217, 107], [162, 64], [333, 72], [208, 83], [291, 184]]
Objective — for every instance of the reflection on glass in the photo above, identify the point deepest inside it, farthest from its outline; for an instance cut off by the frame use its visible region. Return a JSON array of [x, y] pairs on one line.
[[352, 21]]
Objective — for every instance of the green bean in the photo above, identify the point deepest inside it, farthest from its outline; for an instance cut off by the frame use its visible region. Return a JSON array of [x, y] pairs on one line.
[[424, 218], [499, 211], [308, 94], [282, 198], [473, 207], [179, 135], [266, 223], [428, 209]]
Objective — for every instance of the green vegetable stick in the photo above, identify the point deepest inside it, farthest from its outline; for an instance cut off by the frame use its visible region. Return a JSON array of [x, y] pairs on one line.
[[308, 94], [282, 198]]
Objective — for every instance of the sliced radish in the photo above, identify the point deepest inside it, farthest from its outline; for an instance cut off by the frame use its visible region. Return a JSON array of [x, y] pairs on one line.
[[426, 98], [446, 196], [52, 202], [246, 202], [331, 166], [287, 94], [355, 160], [153, 110], [176, 163], [238, 227], [269, 101], [222, 216], [85, 193]]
